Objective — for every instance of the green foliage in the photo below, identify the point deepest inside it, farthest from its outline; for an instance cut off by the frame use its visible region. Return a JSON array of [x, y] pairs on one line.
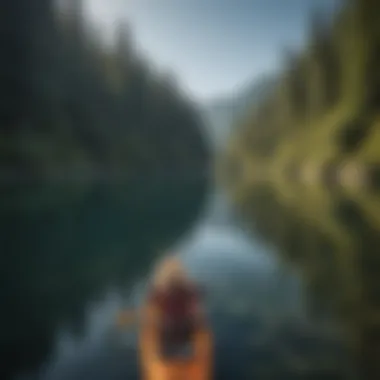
[[327, 104], [322, 127], [68, 101]]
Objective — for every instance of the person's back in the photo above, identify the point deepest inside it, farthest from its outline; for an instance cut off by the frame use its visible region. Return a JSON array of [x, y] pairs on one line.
[[176, 301], [179, 308]]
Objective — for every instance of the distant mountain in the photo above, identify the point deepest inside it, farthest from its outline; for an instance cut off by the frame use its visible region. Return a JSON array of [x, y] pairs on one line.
[[222, 113]]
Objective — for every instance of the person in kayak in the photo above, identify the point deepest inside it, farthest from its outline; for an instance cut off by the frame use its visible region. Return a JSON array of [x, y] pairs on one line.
[[177, 300]]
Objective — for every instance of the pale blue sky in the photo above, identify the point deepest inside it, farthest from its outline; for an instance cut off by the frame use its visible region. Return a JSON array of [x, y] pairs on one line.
[[212, 46]]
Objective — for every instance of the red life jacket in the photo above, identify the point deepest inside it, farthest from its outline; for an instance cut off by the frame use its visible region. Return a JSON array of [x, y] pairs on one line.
[[177, 302]]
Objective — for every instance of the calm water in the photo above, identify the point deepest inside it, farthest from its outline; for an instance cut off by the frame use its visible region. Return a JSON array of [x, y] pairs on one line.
[[281, 303]]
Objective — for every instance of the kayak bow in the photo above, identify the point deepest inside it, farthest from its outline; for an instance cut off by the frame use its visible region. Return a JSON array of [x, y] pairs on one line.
[[156, 367]]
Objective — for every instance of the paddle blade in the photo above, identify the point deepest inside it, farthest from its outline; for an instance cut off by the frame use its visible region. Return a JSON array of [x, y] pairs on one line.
[[126, 318]]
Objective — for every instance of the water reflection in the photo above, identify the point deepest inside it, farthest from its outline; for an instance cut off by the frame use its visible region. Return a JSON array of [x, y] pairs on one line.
[[255, 303], [243, 290], [71, 262], [64, 246], [332, 239]]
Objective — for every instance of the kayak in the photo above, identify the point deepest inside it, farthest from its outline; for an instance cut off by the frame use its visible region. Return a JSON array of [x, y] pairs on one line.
[[155, 362], [155, 366]]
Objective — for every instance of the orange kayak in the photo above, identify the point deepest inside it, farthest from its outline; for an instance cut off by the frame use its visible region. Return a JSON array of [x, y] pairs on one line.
[[154, 367]]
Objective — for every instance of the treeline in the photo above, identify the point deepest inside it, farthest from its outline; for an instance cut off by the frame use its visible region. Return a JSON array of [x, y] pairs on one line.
[[323, 114], [321, 126], [70, 105]]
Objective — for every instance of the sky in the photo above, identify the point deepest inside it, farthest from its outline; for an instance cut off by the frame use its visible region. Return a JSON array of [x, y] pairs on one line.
[[212, 46]]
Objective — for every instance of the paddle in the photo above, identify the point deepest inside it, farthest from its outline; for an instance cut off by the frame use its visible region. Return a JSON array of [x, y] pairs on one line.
[[127, 318]]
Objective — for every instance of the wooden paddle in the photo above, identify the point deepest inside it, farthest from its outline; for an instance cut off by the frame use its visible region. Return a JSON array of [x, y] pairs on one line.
[[127, 318]]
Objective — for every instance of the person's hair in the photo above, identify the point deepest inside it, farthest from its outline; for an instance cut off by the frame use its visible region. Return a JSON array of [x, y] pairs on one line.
[[168, 269]]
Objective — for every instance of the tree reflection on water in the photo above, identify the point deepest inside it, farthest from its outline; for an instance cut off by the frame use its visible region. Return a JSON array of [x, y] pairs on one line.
[[332, 240]]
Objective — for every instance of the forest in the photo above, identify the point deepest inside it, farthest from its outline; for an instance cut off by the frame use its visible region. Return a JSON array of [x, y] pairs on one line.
[[320, 123], [73, 107], [303, 168]]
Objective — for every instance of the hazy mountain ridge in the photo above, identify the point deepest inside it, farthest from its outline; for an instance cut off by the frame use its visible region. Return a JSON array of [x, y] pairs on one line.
[[222, 113]]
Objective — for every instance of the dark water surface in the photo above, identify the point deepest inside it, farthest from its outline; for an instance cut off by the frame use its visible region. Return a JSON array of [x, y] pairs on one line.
[[64, 246], [73, 256]]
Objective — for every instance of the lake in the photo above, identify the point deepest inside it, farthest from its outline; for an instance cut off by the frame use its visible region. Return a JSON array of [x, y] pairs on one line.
[[282, 294]]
